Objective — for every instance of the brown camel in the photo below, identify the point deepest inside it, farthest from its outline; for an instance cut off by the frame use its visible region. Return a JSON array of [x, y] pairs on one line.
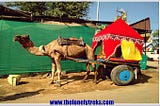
[[58, 52]]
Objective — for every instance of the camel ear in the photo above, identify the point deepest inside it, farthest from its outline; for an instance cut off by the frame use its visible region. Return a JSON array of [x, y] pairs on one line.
[[27, 36]]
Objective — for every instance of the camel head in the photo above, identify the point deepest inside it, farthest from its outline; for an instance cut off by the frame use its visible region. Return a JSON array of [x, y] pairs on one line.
[[24, 40]]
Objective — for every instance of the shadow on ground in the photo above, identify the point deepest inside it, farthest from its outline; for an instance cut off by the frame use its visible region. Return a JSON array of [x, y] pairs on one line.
[[22, 82], [20, 95], [142, 79]]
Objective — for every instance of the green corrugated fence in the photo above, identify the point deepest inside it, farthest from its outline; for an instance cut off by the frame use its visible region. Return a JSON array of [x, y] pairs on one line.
[[15, 60]]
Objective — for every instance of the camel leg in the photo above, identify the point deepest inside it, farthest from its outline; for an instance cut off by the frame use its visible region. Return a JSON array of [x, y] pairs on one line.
[[88, 72], [58, 66], [95, 76], [53, 72], [95, 73]]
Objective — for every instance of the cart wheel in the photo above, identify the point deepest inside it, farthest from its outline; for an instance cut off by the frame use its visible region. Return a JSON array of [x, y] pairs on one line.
[[122, 74]]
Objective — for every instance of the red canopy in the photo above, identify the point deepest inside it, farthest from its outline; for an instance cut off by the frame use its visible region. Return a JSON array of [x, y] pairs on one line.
[[114, 33]]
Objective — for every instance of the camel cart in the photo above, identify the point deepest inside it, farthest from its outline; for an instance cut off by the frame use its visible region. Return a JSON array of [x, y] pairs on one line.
[[119, 52], [120, 49]]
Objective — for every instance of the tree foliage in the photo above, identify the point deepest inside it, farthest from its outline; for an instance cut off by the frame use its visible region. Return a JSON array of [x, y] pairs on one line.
[[56, 9], [155, 33]]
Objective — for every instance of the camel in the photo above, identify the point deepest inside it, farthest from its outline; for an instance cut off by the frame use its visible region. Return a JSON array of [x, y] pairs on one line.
[[58, 52]]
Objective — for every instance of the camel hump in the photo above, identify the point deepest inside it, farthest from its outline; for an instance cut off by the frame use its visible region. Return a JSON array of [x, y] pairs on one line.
[[73, 38], [70, 41]]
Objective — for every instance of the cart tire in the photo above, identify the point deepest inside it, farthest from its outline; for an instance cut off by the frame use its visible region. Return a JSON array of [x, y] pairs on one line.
[[122, 75]]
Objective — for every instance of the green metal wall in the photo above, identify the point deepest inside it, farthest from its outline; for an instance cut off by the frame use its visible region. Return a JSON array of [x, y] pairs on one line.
[[15, 60]]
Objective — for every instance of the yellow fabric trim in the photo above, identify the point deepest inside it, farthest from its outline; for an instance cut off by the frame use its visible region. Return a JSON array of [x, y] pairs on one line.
[[129, 51]]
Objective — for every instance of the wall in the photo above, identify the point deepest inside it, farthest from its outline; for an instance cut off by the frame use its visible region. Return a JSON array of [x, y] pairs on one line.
[[14, 59]]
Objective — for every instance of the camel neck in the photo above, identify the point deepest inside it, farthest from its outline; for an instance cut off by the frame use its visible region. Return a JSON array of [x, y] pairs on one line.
[[35, 51]]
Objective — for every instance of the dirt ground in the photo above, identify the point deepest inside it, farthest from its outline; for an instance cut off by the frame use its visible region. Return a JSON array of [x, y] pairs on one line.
[[71, 84]]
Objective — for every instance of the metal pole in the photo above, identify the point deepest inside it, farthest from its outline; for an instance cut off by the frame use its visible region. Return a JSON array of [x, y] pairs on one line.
[[145, 39], [97, 16]]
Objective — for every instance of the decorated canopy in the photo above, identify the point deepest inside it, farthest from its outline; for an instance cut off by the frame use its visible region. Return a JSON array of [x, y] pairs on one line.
[[113, 35]]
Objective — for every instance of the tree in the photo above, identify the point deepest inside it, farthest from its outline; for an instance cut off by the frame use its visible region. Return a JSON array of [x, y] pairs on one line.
[[155, 33], [36, 8], [155, 38], [56, 9]]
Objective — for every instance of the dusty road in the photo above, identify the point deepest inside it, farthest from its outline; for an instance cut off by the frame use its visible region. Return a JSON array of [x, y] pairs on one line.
[[141, 93], [37, 90]]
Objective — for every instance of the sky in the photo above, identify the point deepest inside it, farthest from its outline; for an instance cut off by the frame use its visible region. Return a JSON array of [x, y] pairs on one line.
[[136, 11]]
